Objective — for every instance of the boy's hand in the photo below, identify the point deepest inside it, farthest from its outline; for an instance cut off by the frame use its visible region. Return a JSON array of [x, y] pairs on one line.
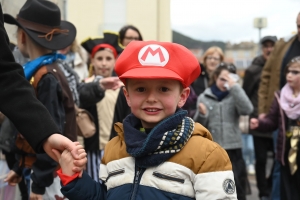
[[254, 123], [202, 108], [13, 178], [68, 164]]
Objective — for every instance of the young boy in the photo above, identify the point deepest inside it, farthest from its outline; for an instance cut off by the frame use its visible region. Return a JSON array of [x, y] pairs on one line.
[[159, 152]]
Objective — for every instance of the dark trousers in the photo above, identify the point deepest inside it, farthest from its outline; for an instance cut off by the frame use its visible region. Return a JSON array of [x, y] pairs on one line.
[[239, 172], [261, 147]]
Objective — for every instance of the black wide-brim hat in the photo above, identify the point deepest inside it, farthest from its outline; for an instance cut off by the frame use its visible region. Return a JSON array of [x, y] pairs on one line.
[[41, 20]]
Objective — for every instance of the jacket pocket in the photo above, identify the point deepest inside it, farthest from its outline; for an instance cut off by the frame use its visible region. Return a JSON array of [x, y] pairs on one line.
[[168, 177], [115, 173]]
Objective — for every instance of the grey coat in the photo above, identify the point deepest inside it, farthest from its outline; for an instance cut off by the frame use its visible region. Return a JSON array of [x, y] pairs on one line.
[[222, 117]]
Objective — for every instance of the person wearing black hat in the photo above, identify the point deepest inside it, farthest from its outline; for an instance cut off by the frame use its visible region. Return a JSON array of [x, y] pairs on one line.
[[40, 33], [262, 141], [112, 108]]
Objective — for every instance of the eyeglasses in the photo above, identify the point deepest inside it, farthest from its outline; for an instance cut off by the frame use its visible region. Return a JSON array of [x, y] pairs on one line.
[[294, 72], [131, 38], [212, 58]]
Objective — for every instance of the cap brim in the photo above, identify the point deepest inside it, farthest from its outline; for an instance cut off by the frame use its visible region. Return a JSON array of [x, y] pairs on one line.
[[151, 73], [58, 41]]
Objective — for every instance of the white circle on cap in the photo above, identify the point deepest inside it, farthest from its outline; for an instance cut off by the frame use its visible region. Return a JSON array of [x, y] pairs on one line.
[[153, 55]]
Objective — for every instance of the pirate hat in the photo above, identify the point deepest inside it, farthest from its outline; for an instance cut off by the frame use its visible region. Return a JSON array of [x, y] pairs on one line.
[[110, 40], [41, 20]]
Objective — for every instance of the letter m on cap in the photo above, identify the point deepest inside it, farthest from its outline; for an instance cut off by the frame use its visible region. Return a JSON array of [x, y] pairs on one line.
[[154, 54]]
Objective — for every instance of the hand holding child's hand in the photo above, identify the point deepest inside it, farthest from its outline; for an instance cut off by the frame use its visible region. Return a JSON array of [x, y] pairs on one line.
[[202, 108], [68, 164], [254, 123]]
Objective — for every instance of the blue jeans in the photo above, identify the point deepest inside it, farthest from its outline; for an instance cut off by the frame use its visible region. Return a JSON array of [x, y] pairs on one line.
[[26, 176], [248, 149], [275, 194]]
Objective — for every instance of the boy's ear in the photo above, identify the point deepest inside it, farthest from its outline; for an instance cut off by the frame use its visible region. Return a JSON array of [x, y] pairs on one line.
[[23, 37], [183, 96], [126, 96]]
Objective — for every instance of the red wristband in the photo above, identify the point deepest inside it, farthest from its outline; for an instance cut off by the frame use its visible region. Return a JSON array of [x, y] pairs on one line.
[[65, 179]]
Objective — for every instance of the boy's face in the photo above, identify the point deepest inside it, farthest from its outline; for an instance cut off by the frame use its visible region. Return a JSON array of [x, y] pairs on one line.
[[152, 100]]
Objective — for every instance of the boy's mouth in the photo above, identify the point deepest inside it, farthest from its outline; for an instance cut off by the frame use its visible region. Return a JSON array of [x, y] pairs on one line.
[[152, 109]]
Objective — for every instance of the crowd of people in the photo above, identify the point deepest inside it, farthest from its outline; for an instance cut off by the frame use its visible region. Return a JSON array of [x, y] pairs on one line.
[[166, 126]]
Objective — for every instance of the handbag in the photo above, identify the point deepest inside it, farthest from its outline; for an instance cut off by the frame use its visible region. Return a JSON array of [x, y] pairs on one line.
[[85, 123]]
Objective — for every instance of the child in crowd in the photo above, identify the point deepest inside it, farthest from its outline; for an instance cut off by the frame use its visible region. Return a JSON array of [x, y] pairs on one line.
[[284, 115], [103, 53], [159, 152], [219, 109]]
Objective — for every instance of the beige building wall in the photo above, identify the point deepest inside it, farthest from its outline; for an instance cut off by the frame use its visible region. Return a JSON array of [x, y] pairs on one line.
[[92, 17]]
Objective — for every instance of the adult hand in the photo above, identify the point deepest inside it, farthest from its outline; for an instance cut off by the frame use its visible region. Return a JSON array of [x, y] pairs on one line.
[[262, 115], [202, 108], [60, 143], [110, 83], [254, 123], [13, 178], [34, 196]]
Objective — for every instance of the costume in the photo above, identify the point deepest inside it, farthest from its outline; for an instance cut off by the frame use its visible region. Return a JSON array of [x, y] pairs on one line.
[[262, 141], [175, 178], [222, 120], [104, 110], [173, 157], [272, 72], [277, 118], [35, 126]]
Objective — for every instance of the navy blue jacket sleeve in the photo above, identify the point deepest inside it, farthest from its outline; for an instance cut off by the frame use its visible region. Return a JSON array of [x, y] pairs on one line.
[[84, 188]]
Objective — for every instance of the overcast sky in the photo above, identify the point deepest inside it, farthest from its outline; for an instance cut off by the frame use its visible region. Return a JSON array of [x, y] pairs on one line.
[[232, 20]]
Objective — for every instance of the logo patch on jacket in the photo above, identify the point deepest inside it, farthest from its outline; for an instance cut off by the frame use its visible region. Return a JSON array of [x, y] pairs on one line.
[[229, 186]]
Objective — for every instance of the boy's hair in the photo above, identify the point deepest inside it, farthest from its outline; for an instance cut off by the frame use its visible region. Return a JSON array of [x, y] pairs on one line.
[[223, 66], [295, 60], [157, 60]]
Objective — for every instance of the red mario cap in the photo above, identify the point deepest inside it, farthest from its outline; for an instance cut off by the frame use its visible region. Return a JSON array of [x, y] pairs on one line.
[[155, 60]]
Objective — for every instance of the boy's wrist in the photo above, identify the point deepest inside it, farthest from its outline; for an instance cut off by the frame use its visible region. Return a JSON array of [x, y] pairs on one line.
[[65, 179]]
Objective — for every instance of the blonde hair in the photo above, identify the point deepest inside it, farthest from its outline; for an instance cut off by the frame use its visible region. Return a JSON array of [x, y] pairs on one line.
[[212, 50]]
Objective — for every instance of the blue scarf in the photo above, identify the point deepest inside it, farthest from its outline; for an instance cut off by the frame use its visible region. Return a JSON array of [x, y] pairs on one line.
[[32, 66], [218, 93], [164, 140]]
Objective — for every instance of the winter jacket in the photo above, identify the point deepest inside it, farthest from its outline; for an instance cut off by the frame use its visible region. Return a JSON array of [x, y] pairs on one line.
[[222, 117], [276, 119], [201, 170], [270, 76]]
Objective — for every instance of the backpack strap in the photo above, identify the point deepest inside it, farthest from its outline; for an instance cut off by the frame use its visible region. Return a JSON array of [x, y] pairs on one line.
[[37, 77]]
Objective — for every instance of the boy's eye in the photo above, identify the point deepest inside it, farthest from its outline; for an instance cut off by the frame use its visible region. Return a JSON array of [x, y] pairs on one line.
[[164, 89], [140, 89]]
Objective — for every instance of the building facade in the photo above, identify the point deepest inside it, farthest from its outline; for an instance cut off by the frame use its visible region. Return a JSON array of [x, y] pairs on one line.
[[92, 17]]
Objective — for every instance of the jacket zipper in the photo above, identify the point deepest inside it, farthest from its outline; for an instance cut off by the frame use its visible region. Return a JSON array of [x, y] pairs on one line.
[[138, 174], [166, 177], [221, 116]]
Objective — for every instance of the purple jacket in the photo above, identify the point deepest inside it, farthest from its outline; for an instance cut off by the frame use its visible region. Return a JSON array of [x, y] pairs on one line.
[[276, 118]]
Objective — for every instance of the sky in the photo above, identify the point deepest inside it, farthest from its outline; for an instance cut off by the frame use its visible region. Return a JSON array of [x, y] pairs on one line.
[[232, 20]]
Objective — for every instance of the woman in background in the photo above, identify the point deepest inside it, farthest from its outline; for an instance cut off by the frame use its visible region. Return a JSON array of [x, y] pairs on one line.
[[129, 33]]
